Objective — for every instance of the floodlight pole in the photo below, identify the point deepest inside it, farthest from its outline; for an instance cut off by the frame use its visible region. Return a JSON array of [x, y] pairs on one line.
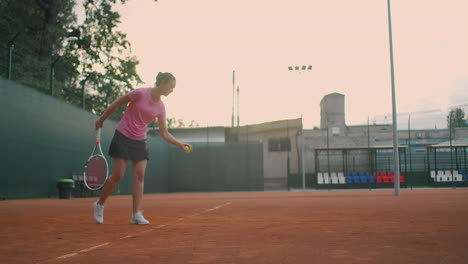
[[409, 150], [74, 33], [298, 69], [302, 155], [10, 55], [233, 88], [83, 93], [451, 146], [328, 147], [396, 160], [238, 114], [11, 46], [52, 75]]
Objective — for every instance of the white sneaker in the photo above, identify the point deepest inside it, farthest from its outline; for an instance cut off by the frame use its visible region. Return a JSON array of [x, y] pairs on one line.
[[138, 219], [98, 212]]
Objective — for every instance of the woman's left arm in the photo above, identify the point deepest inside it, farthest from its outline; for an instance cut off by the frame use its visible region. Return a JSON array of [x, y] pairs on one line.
[[170, 138]]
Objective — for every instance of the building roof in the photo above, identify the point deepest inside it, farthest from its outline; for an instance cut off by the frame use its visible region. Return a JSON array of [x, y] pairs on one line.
[[331, 95], [334, 94], [455, 143], [273, 125], [359, 148], [198, 134]]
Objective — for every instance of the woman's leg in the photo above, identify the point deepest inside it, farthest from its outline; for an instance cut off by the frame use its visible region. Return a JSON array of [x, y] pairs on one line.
[[117, 174], [139, 168]]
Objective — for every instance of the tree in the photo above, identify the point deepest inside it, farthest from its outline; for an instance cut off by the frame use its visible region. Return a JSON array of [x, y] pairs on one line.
[[34, 30], [193, 124], [176, 123], [107, 68], [456, 118], [94, 55]]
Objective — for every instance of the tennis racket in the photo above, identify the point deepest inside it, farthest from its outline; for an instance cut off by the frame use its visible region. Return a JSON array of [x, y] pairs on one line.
[[96, 169]]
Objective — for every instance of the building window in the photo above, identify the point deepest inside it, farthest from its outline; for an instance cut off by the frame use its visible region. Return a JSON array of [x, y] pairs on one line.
[[335, 131], [279, 144]]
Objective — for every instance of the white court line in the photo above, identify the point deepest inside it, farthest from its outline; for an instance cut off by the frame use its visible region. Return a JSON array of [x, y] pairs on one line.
[[67, 256], [217, 207], [93, 248], [145, 231]]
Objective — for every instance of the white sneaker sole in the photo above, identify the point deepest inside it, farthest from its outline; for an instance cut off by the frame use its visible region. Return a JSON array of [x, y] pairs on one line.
[[135, 222], [95, 218]]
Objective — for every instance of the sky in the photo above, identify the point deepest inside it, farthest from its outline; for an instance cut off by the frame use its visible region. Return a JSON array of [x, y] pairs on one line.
[[347, 43]]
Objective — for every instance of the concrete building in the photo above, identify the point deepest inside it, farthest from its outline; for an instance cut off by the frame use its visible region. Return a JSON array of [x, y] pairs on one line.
[[334, 133], [196, 134], [332, 113], [282, 141]]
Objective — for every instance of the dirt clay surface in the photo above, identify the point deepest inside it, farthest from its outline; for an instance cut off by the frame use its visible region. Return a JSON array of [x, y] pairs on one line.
[[421, 226]]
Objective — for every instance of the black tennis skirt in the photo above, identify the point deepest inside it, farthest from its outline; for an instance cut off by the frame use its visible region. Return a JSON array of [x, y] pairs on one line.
[[127, 148]]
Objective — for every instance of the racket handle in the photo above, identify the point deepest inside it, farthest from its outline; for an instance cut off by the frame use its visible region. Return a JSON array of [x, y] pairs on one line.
[[98, 136]]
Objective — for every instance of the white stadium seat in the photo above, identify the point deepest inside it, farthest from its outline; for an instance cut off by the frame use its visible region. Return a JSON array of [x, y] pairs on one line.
[[319, 178], [440, 176], [334, 178], [341, 178], [448, 176], [326, 178]]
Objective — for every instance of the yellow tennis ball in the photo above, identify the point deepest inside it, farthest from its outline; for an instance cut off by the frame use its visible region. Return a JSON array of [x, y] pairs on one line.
[[187, 149]]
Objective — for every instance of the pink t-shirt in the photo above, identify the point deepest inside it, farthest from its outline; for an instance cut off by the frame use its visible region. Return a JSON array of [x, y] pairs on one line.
[[141, 111]]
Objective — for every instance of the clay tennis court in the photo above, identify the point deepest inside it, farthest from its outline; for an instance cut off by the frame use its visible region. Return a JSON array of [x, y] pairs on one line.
[[420, 226]]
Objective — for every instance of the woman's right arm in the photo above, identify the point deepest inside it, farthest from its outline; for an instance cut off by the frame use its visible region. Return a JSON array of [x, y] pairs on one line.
[[112, 107]]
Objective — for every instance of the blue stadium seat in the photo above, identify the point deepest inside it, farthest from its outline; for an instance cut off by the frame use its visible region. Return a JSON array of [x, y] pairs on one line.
[[362, 174], [349, 179], [368, 174], [363, 179], [464, 174], [371, 179], [355, 174], [356, 179]]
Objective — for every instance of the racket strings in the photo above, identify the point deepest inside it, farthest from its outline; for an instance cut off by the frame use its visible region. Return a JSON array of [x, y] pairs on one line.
[[96, 172]]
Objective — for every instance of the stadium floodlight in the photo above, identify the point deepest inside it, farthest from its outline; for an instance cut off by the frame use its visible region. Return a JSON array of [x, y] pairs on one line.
[[300, 69]]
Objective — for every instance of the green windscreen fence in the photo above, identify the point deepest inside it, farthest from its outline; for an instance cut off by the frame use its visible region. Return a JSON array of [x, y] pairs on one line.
[[44, 139], [217, 167]]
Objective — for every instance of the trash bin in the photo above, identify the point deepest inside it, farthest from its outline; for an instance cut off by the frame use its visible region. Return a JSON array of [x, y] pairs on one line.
[[65, 188]]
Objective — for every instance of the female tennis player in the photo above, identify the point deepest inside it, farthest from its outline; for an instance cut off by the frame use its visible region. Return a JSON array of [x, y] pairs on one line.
[[129, 141]]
